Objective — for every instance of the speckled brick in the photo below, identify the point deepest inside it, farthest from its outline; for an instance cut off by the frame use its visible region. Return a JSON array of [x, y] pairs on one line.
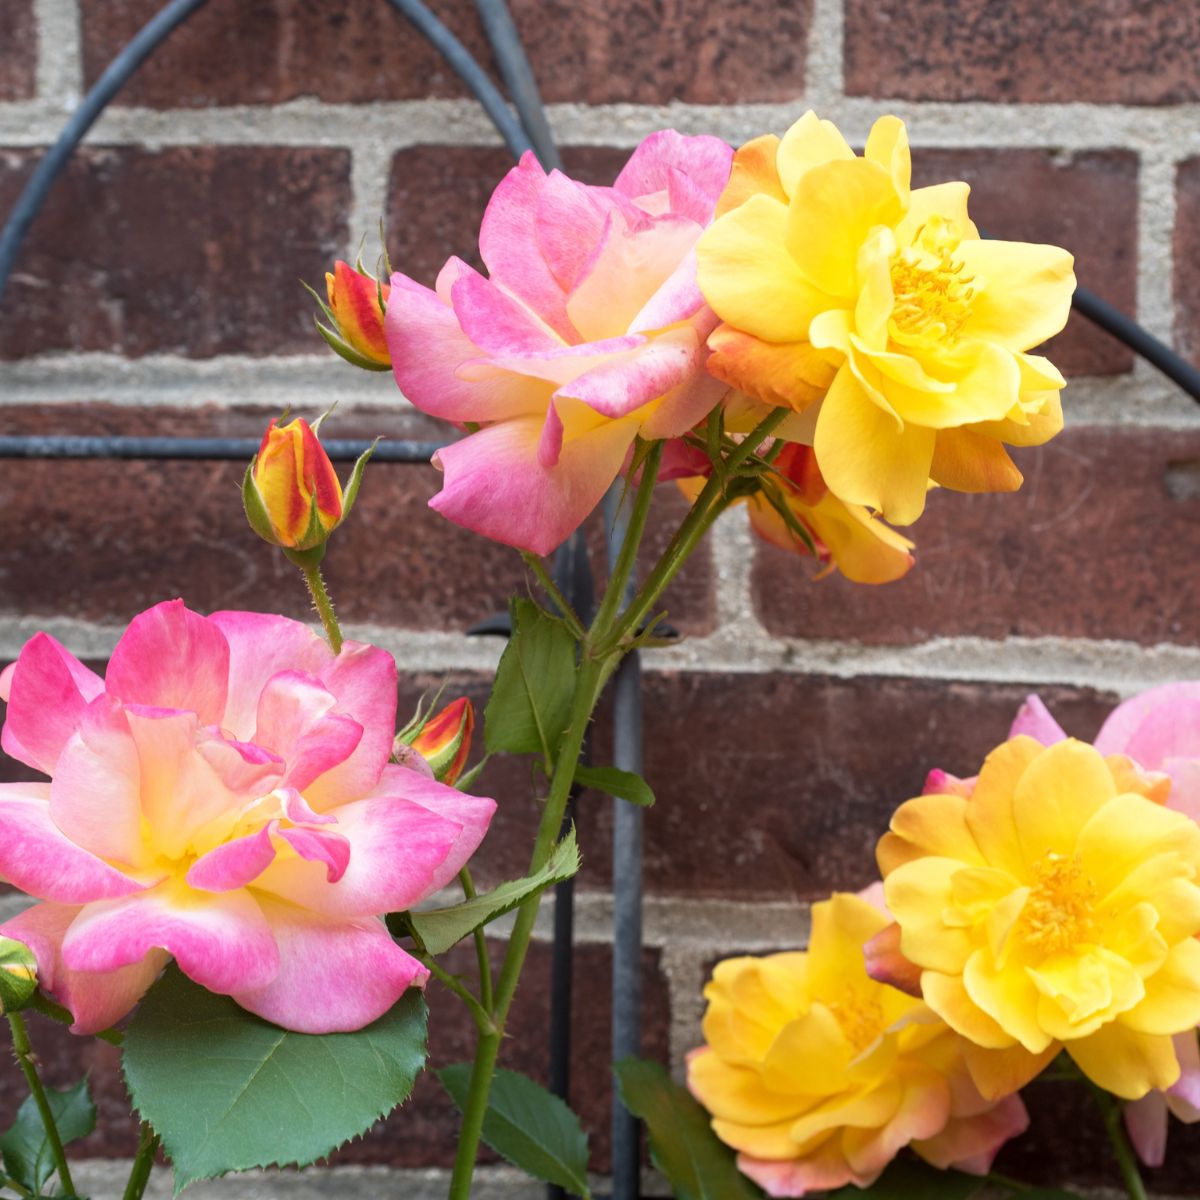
[[187, 250], [1085, 202], [18, 50], [1100, 542], [1100, 51], [1187, 259], [596, 52], [102, 540]]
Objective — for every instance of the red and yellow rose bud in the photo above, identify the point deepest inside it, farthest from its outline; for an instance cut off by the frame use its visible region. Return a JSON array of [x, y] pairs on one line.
[[444, 741], [355, 311], [292, 494]]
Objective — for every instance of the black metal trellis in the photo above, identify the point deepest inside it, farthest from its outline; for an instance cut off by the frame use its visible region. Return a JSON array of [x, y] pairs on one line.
[[527, 129]]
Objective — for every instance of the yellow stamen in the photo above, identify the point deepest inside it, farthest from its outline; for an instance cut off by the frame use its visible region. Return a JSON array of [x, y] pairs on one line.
[[1059, 912]]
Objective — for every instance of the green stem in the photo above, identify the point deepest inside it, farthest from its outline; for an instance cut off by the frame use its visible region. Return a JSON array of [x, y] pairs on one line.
[[588, 683], [546, 580], [483, 1021], [708, 507], [143, 1163], [324, 606], [481, 950], [1114, 1126], [23, 1050], [614, 593]]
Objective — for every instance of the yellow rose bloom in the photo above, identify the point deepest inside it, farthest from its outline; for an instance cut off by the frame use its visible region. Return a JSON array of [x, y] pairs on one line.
[[1054, 906], [818, 1075], [843, 290]]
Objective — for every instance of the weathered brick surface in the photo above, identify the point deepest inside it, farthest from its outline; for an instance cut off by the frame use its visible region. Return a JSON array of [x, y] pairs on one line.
[[1187, 259], [1103, 51], [437, 196], [776, 785], [128, 534], [424, 1133], [1101, 541], [1086, 202], [187, 250], [18, 50], [598, 52]]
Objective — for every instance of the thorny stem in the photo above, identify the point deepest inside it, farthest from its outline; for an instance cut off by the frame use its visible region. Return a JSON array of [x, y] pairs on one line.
[[23, 1050], [143, 1163], [481, 952], [324, 606], [546, 580]]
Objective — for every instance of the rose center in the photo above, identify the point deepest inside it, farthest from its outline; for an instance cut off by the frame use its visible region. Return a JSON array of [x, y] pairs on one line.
[[932, 294], [1059, 912], [860, 1018]]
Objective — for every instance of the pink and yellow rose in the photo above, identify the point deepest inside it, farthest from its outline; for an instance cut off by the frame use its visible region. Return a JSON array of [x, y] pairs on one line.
[[221, 796], [588, 331]]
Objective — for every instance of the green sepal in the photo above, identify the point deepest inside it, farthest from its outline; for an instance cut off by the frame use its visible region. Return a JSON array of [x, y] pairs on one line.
[[306, 560], [420, 718], [795, 526], [256, 511], [350, 494], [343, 349], [18, 975]]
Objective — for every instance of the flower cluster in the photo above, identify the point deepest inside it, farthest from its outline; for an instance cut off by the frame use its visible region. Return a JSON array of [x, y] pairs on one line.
[[793, 276], [1051, 903]]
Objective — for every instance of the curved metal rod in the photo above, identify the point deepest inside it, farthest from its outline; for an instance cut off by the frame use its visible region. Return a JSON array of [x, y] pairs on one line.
[[116, 74], [469, 71], [1125, 329], [519, 78]]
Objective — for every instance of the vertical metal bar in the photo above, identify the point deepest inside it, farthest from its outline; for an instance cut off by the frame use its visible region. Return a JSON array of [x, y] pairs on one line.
[[626, 886]]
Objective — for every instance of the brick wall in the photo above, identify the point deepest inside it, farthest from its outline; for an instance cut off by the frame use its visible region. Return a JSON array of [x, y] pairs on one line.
[[158, 293]]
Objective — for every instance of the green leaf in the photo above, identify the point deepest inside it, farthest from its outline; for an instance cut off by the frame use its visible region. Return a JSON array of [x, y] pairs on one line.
[[441, 928], [530, 1127], [625, 785], [531, 698], [227, 1091], [682, 1143], [908, 1178], [18, 975], [26, 1151]]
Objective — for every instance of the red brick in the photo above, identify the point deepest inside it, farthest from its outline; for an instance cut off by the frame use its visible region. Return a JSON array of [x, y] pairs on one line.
[[602, 51], [1100, 542], [780, 785], [126, 535], [18, 50], [437, 195], [189, 250], [1187, 260], [1102, 51], [424, 1132], [1086, 202]]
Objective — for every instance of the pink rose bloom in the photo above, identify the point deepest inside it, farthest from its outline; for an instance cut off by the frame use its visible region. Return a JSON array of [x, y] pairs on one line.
[[588, 330], [223, 796], [1159, 730]]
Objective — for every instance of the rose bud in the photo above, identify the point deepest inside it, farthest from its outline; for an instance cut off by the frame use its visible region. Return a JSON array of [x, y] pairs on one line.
[[357, 302]]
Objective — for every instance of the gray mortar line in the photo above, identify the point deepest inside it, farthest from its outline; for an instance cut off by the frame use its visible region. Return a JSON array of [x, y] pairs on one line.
[[369, 173], [1171, 131], [59, 57], [1141, 398], [824, 65], [1156, 228], [1104, 663]]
